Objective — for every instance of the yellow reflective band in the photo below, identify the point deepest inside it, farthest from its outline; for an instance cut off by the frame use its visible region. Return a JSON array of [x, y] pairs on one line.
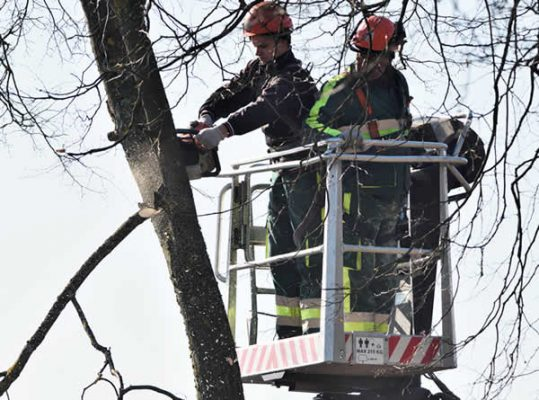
[[284, 311], [366, 327], [346, 201], [346, 288], [314, 113], [310, 313]]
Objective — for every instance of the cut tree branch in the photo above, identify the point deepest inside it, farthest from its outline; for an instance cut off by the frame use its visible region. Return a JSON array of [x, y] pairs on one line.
[[68, 294]]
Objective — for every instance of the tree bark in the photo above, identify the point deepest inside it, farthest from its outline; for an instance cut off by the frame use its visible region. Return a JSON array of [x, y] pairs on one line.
[[141, 113]]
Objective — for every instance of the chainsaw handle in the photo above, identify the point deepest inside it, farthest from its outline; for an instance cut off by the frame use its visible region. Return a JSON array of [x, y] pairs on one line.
[[183, 131], [217, 163]]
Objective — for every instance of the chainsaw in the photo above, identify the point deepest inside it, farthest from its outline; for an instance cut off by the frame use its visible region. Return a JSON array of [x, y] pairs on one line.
[[198, 163]]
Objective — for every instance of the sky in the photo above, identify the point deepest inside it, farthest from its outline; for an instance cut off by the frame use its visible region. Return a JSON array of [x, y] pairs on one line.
[[52, 223]]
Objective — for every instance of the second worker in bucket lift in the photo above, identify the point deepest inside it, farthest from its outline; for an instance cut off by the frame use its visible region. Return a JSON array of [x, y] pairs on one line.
[[369, 101], [275, 93]]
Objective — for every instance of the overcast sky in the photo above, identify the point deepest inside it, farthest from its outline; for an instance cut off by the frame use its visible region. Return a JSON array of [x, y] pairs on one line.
[[51, 224]]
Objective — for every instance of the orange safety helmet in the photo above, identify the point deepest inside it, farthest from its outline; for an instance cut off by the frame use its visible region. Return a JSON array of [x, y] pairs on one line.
[[373, 34], [267, 18]]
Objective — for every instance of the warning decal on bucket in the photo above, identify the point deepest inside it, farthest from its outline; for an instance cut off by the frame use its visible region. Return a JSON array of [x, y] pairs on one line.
[[369, 350]]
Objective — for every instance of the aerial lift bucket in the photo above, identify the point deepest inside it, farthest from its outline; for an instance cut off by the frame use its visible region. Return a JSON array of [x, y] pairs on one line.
[[334, 360]]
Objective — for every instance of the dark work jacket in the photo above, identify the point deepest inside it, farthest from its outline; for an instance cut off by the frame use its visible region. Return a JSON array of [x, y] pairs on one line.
[[276, 96]]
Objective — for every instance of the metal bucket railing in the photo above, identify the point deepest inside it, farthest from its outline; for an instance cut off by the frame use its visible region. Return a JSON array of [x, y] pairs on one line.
[[243, 235]]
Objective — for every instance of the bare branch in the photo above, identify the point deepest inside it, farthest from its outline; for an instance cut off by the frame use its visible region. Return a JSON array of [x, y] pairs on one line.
[[68, 295]]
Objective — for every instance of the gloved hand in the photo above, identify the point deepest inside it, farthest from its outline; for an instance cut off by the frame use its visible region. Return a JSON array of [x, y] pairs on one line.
[[209, 138], [204, 121], [352, 135]]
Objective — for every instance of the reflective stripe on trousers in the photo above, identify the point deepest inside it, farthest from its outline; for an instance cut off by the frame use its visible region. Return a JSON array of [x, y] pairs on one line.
[[288, 311], [310, 314], [366, 322]]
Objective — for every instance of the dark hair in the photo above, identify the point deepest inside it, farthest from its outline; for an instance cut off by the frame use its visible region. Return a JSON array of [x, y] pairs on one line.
[[287, 38], [283, 36]]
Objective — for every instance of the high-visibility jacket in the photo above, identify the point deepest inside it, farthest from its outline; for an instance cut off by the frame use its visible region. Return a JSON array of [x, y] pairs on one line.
[[340, 103]]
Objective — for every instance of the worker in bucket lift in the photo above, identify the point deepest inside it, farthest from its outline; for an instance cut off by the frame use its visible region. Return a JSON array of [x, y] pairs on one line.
[[368, 101], [275, 93]]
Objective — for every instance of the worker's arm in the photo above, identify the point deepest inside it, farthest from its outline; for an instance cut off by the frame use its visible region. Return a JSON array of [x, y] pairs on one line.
[[282, 99], [230, 97], [322, 117]]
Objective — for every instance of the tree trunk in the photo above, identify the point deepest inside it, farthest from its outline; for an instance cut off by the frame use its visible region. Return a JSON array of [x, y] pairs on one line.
[[140, 110]]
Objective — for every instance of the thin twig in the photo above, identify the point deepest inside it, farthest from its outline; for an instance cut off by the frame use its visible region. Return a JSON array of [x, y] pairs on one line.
[[106, 351], [95, 382]]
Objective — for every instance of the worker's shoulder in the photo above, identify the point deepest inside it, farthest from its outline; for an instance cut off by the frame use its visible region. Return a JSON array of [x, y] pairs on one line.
[[335, 81], [399, 76], [293, 74], [289, 64], [339, 77], [253, 65], [293, 67]]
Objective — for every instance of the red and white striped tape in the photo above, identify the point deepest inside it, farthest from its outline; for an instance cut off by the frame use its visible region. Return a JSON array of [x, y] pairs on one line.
[[412, 350], [279, 355], [306, 350]]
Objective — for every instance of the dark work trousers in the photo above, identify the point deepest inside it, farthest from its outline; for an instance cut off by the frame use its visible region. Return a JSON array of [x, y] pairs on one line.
[[373, 197], [425, 233], [294, 207]]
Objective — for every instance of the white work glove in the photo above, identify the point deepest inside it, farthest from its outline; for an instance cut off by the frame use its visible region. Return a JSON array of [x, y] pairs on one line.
[[204, 121], [209, 138], [352, 135]]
